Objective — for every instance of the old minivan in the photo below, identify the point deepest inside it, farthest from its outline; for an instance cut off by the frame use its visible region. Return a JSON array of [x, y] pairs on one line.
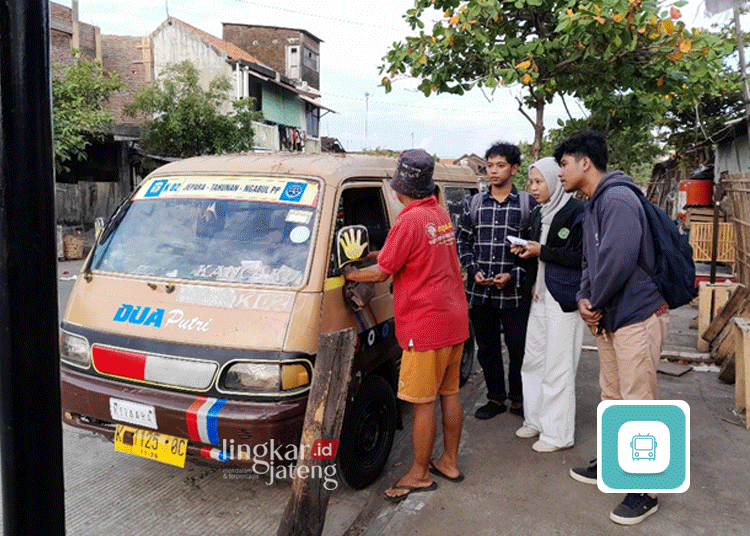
[[193, 327]]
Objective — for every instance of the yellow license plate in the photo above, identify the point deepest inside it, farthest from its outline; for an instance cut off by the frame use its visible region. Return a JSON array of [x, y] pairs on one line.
[[152, 445]]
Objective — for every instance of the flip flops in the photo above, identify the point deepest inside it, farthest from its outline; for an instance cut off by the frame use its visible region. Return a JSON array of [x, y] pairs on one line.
[[435, 471], [409, 491]]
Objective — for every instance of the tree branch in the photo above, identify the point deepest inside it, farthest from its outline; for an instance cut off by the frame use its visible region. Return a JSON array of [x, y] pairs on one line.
[[565, 104], [520, 109]]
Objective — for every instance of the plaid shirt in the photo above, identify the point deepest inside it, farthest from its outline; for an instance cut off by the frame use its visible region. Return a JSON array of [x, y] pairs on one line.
[[483, 248]]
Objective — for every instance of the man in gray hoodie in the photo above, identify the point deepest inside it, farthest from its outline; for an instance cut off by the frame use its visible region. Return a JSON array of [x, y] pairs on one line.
[[618, 300]]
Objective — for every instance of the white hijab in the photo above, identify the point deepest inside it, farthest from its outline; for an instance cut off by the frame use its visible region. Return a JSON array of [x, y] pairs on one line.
[[557, 200]]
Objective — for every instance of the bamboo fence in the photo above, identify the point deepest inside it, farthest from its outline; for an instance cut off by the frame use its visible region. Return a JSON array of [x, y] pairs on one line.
[[737, 189], [702, 240]]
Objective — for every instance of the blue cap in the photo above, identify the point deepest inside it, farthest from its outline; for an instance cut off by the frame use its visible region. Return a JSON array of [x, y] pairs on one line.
[[413, 176]]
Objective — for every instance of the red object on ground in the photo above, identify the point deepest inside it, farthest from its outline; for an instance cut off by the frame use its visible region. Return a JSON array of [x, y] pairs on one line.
[[719, 279], [693, 193]]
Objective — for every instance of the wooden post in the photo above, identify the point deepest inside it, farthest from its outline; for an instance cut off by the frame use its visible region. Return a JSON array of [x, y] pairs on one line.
[[736, 303], [305, 512], [741, 364], [715, 238]]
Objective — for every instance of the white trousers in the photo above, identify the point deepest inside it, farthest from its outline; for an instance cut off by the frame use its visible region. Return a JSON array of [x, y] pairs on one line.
[[550, 362]]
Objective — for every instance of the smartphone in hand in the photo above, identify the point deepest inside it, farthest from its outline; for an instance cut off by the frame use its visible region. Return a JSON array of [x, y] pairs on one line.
[[517, 241]]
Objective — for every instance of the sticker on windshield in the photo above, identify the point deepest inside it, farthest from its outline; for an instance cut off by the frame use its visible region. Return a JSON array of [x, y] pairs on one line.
[[299, 234], [237, 188], [293, 191], [156, 188], [250, 272], [299, 216]]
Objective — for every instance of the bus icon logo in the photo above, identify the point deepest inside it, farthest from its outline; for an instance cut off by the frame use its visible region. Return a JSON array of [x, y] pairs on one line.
[[644, 447], [638, 441]]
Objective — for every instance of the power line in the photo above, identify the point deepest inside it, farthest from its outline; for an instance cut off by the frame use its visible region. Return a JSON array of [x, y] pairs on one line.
[[403, 105], [367, 23]]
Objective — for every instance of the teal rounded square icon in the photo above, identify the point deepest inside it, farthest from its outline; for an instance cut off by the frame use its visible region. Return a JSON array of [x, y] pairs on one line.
[[643, 446]]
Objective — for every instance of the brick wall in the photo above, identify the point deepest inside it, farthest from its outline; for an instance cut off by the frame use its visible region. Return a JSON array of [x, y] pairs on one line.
[[268, 45], [60, 40], [60, 13], [86, 39], [122, 55]]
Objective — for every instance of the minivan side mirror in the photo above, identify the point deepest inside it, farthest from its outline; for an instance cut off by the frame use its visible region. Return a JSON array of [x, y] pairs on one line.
[[352, 244]]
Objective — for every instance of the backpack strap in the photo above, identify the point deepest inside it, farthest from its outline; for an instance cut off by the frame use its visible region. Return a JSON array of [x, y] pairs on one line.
[[524, 200], [642, 198], [474, 204]]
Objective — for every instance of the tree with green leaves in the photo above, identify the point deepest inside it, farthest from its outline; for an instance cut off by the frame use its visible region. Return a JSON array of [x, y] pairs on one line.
[[688, 123], [79, 93], [183, 119], [586, 50]]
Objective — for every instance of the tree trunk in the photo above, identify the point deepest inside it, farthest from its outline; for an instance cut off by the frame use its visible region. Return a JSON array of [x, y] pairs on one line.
[[536, 149], [538, 124]]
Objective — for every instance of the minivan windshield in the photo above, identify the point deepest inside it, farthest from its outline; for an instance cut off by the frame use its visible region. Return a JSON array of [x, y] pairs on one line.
[[227, 229]]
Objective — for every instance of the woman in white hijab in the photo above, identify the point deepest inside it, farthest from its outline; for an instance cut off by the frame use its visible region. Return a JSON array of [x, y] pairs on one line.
[[555, 330]]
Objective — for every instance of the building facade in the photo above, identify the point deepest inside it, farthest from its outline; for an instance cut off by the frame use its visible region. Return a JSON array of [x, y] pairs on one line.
[[284, 86], [291, 114], [292, 52]]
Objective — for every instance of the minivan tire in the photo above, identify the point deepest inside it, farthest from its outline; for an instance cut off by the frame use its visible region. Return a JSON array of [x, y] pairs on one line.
[[467, 358], [367, 435]]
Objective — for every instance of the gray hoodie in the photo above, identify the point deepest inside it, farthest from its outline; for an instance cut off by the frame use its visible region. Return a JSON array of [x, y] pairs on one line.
[[617, 245]]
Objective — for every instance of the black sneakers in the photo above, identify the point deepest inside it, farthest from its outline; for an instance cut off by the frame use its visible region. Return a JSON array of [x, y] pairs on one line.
[[634, 508], [587, 475], [490, 409]]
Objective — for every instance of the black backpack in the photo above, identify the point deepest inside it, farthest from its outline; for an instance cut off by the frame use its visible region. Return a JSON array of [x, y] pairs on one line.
[[675, 269]]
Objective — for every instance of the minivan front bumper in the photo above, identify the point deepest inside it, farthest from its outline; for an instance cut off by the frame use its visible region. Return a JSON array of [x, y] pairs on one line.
[[255, 426]]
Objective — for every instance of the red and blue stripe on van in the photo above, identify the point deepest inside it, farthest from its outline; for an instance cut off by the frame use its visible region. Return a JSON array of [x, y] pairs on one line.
[[202, 419]]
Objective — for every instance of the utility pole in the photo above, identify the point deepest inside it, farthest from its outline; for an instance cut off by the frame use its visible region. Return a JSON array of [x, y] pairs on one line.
[[367, 109], [30, 423]]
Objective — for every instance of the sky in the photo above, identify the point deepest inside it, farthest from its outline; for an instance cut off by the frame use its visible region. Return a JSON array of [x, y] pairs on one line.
[[356, 35]]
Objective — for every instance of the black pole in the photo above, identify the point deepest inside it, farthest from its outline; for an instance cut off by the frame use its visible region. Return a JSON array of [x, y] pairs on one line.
[[30, 424]]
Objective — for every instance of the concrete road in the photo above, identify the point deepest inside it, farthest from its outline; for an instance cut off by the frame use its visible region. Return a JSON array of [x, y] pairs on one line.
[[117, 494], [108, 492]]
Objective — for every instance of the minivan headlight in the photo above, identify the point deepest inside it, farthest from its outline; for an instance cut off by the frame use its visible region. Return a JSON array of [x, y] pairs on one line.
[[74, 349], [266, 377], [253, 377]]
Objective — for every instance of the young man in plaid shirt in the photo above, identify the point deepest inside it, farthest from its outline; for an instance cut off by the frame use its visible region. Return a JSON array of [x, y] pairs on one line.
[[493, 286]]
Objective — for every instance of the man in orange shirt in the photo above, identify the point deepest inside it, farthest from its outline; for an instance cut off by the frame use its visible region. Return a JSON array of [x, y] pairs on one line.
[[431, 316]]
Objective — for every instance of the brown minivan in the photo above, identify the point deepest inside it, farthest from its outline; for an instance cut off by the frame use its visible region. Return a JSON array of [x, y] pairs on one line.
[[193, 327]]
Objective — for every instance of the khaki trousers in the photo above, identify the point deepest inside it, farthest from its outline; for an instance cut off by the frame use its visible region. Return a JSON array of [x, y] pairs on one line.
[[628, 359]]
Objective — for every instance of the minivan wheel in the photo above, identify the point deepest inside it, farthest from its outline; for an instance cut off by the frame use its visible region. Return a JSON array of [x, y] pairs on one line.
[[467, 359], [367, 435]]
